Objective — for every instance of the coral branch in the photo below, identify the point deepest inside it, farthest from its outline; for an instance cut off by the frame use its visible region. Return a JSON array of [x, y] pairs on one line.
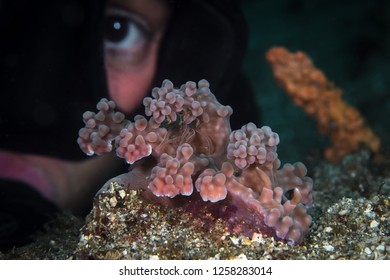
[[172, 176], [211, 185], [251, 145], [322, 100], [138, 139], [101, 128], [293, 177]]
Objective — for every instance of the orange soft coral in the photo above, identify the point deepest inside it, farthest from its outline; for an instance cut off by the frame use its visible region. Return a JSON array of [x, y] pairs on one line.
[[321, 99]]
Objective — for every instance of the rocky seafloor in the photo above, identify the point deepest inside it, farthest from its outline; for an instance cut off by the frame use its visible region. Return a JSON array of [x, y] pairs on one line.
[[351, 220]]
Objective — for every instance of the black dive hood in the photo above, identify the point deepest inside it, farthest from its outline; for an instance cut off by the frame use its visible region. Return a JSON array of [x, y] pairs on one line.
[[51, 64]]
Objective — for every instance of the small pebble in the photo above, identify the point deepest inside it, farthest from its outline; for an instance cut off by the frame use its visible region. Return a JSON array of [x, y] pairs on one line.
[[374, 224], [122, 194], [328, 229], [328, 248], [113, 201], [241, 257], [367, 251], [343, 212]]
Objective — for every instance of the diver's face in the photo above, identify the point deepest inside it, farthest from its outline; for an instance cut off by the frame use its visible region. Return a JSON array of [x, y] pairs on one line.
[[132, 36]]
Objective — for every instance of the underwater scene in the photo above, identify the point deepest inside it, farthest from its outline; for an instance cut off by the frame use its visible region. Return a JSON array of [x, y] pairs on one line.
[[195, 130]]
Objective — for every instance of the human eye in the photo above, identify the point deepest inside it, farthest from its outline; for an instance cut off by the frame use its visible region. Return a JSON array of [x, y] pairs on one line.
[[126, 37]]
